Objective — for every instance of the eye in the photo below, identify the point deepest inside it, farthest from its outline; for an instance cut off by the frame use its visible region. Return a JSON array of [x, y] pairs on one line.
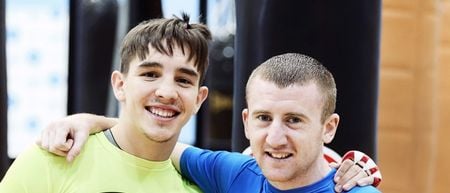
[[184, 81], [294, 120], [264, 118], [150, 74]]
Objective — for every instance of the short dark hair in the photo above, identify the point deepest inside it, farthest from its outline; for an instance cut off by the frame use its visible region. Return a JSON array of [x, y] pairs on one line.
[[164, 34], [292, 68]]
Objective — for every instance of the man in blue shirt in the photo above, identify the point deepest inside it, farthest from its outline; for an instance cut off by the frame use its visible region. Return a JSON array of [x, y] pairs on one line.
[[289, 117]]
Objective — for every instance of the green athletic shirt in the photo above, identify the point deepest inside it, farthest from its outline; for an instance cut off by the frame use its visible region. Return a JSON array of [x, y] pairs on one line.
[[100, 167]]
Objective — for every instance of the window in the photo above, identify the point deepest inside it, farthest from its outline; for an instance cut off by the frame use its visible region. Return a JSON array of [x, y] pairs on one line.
[[36, 50]]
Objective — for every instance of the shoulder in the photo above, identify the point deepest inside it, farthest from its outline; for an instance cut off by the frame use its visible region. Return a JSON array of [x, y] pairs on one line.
[[364, 189], [31, 169], [194, 153], [35, 155], [43, 157], [228, 162]]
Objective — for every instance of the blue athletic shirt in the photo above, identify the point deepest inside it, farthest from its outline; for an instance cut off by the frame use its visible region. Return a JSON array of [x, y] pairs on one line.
[[221, 171]]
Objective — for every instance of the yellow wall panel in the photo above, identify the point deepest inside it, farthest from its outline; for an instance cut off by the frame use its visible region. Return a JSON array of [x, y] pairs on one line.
[[445, 27], [398, 40], [400, 4], [442, 161], [396, 101], [408, 111], [396, 172]]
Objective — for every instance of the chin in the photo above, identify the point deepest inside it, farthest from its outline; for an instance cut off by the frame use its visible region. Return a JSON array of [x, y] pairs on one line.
[[280, 181], [161, 137], [279, 173], [276, 175]]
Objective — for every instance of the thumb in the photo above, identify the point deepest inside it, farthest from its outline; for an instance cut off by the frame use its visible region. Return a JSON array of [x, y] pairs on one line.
[[334, 165], [365, 181], [67, 145], [38, 142], [79, 139]]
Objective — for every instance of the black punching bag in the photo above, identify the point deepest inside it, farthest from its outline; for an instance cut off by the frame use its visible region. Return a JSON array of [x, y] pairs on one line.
[[4, 159], [140, 10], [344, 36], [91, 47]]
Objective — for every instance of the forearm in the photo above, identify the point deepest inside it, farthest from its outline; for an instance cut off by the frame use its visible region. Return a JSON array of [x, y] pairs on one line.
[[104, 123], [97, 122]]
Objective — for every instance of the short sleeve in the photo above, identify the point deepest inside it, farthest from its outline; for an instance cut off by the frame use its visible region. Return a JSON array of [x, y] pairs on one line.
[[212, 171]]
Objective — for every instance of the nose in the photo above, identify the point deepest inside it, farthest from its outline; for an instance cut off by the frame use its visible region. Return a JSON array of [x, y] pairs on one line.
[[276, 135], [166, 91]]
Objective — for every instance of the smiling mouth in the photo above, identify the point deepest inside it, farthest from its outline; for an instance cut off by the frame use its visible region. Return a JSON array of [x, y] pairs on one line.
[[279, 155], [163, 113]]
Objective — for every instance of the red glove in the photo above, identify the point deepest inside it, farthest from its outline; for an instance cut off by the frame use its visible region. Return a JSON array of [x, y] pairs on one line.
[[366, 163]]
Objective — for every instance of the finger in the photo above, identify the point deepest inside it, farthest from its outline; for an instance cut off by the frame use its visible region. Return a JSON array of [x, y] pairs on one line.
[[79, 139], [376, 181], [61, 139], [350, 174], [44, 138], [38, 141], [334, 165], [59, 152], [372, 170], [66, 146], [367, 164], [375, 174], [338, 188], [365, 181], [345, 165], [51, 139], [353, 181]]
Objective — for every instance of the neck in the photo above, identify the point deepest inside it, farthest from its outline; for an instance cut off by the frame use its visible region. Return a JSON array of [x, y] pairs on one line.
[[137, 144], [310, 175]]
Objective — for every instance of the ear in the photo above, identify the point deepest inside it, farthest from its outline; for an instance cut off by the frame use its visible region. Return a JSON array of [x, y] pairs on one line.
[[201, 97], [118, 83], [330, 127], [245, 121]]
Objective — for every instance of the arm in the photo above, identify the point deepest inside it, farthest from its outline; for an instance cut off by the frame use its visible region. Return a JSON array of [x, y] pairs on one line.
[[176, 155], [66, 137]]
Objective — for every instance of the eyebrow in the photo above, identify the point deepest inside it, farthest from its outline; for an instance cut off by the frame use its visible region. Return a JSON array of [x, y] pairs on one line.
[[260, 112], [150, 64], [188, 72], [298, 115]]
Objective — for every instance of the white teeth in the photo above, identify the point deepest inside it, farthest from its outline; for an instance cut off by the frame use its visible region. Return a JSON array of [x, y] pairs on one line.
[[162, 112], [279, 155]]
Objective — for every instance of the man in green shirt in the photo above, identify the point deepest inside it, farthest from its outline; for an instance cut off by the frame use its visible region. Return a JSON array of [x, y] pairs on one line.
[[163, 62]]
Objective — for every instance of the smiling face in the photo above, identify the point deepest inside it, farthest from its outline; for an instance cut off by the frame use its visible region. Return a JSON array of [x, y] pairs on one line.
[[158, 95], [286, 132]]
